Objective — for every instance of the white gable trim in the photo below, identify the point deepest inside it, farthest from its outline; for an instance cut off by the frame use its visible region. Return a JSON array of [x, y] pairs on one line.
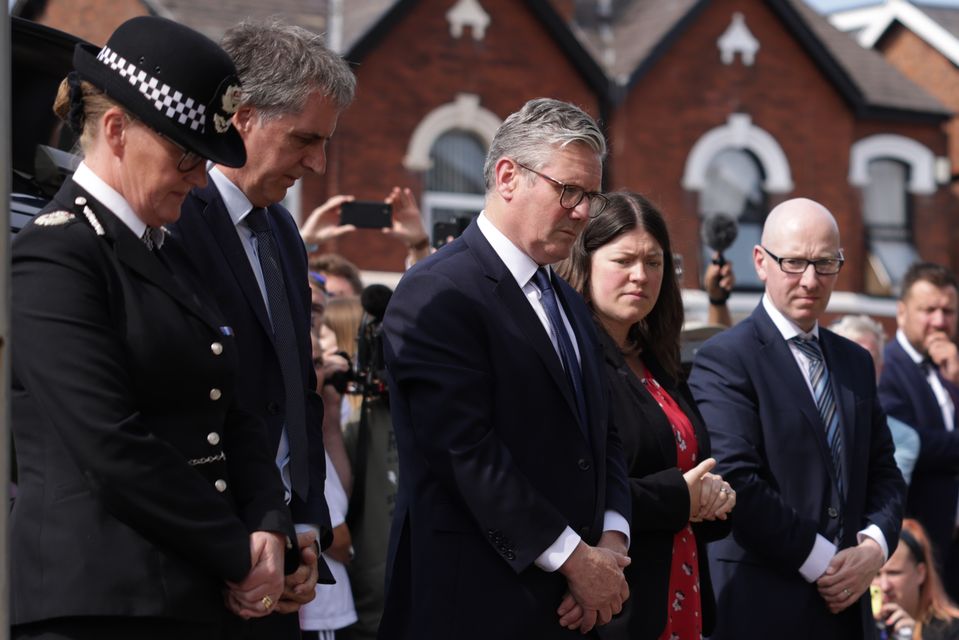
[[464, 113], [921, 161], [874, 21], [739, 133]]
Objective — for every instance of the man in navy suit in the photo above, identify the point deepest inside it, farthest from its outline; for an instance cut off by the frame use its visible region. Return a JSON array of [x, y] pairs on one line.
[[246, 247], [918, 386], [512, 511], [797, 431]]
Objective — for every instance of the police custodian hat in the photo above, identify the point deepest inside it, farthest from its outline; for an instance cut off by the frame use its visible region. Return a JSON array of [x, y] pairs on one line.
[[175, 80]]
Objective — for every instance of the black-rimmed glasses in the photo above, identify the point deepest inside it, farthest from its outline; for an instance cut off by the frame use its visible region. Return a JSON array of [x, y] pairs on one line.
[[571, 194], [189, 161], [796, 266]]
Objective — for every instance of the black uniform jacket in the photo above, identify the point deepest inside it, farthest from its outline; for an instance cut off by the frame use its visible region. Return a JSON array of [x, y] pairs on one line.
[[139, 479]]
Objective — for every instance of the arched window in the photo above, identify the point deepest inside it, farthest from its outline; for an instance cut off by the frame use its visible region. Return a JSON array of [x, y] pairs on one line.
[[449, 145], [455, 188], [734, 186], [733, 167], [886, 220]]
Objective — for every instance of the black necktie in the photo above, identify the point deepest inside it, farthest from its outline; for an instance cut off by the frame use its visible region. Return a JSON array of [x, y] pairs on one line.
[[153, 237], [566, 352], [284, 338]]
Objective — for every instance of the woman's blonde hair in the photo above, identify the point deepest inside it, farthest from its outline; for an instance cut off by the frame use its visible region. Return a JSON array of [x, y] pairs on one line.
[[95, 104]]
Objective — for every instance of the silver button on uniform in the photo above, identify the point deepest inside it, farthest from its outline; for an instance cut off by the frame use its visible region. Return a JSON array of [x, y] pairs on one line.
[[215, 394], [220, 485], [216, 348], [213, 438]]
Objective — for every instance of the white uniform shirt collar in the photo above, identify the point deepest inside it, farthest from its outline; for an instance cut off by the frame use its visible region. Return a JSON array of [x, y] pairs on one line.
[[787, 327], [908, 348], [520, 265], [109, 198]]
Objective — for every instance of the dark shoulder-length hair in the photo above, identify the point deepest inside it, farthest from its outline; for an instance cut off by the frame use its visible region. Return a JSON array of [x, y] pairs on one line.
[[658, 333]]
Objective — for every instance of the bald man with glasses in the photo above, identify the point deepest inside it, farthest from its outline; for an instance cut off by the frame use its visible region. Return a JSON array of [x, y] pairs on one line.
[[797, 431]]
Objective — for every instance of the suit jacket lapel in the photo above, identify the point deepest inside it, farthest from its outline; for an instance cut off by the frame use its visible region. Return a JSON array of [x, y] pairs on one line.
[[517, 309], [590, 357], [780, 364], [225, 235]]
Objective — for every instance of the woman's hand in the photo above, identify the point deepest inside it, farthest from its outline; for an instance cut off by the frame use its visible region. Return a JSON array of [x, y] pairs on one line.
[[896, 617], [324, 222], [694, 482], [259, 592], [721, 498]]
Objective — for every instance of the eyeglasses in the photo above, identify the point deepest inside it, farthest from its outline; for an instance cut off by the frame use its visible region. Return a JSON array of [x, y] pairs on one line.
[[571, 194], [795, 266], [189, 161]]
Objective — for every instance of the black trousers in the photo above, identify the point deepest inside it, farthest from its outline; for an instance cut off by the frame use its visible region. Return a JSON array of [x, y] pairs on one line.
[[272, 627], [114, 628]]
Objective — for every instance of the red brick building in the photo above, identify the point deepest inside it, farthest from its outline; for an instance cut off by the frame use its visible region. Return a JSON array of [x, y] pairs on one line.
[[711, 106]]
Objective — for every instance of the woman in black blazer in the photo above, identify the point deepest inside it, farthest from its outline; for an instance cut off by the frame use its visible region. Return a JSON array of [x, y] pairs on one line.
[[623, 266], [145, 498]]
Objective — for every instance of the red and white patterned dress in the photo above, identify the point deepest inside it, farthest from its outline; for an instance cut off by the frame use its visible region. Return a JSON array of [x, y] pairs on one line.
[[684, 620]]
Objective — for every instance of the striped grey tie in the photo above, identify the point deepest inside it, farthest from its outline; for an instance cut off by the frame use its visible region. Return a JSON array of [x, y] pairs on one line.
[[825, 401]]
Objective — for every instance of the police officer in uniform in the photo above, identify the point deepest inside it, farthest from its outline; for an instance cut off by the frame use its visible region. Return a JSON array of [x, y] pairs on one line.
[[147, 501]]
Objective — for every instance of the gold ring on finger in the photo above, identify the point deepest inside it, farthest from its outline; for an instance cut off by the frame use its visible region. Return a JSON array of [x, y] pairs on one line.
[[267, 602]]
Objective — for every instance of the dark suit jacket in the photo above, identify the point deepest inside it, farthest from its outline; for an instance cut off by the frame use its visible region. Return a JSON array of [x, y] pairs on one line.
[[770, 445], [659, 493], [905, 393], [493, 461], [209, 238], [125, 422]]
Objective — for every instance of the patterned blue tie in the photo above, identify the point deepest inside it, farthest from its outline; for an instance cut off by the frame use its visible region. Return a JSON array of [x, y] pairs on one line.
[[567, 353], [284, 337], [825, 401]]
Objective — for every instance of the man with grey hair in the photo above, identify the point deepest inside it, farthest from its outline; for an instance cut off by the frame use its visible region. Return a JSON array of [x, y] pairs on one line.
[[247, 250], [869, 335], [512, 511]]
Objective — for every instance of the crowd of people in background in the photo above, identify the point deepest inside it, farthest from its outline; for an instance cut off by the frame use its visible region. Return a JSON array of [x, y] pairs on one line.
[[221, 432]]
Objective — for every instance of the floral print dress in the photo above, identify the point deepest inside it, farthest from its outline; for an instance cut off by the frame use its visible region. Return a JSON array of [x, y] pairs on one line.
[[684, 616]]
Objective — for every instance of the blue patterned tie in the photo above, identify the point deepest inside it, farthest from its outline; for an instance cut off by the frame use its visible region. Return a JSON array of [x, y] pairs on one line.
[[825, 401], [284, 339], [567, 353]]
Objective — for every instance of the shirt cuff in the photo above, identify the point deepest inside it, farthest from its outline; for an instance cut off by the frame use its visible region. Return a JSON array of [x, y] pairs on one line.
[[874, 532], [614, 521], [818, 559], [558, 552], [303, 528]]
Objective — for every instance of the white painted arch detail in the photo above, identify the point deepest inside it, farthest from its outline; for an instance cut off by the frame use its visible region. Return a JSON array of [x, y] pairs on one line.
[[739, 133], [464, 113], [919, 158]]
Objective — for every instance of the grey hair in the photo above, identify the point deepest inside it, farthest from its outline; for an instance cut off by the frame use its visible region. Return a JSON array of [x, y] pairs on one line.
[[281, 64], [532, 134], [854, 326]]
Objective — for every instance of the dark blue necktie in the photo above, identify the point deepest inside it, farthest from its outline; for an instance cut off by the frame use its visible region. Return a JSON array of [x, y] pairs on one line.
[[567, 354], [284, 338], [825, 401]]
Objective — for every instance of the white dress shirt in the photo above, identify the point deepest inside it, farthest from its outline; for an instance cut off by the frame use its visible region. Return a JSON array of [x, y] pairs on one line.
[[522, 268], [823, 550]]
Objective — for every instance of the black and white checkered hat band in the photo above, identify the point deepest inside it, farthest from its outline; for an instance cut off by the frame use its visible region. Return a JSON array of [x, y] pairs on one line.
[[172, 103]]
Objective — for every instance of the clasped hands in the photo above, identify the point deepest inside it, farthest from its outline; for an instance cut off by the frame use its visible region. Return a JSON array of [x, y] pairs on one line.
[[265, 589], [849, 574], [597, 586]]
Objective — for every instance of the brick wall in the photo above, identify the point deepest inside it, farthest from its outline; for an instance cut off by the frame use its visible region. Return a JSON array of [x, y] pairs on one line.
[[418, 67]]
